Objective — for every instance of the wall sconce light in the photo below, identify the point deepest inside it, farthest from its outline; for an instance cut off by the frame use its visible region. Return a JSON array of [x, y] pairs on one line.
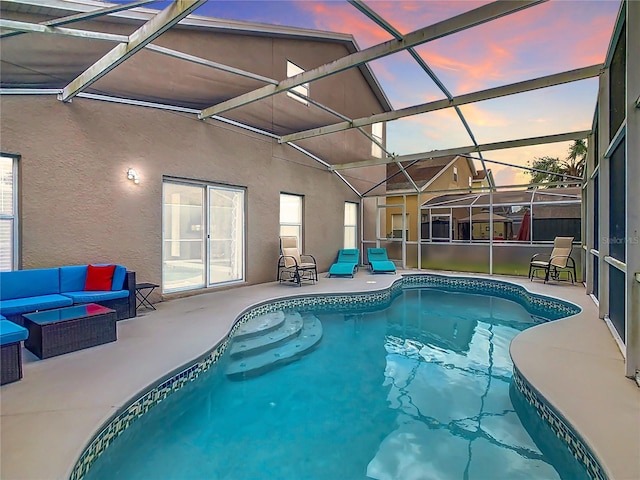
[[133, 176]]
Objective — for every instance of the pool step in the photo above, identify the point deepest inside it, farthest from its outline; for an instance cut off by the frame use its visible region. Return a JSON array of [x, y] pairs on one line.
[[260, 362], [260, 325], [250, 345]]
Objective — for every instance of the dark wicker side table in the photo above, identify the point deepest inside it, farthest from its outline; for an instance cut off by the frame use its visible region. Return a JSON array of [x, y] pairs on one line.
[[64, 330]]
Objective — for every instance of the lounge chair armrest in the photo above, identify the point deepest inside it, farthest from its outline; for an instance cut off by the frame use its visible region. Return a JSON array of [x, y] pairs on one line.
[[282, 257], [534, 257], [303, 255]]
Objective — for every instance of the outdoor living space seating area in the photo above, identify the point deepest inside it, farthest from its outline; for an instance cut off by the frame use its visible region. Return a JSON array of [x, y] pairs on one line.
[[55, 311], [31, 290], [76, 393]]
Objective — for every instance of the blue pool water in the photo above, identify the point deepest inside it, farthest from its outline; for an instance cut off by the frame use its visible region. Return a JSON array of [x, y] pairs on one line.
[[416, 391]]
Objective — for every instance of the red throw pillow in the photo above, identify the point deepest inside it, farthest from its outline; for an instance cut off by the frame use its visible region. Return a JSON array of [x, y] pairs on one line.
[[99, 278]]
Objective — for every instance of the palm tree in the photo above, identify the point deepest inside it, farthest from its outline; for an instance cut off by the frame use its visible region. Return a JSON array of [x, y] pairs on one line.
[[575, 162], [552, 169]]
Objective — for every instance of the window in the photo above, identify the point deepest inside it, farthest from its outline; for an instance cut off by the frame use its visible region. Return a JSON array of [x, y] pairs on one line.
[[376, 133], [8, 213], [396, 225], [455, 174], [350, 225], [202, 235], [291, 217], [292, 71]]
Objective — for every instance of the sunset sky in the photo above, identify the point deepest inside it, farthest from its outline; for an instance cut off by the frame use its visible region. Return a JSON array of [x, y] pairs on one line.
[[549, 38]]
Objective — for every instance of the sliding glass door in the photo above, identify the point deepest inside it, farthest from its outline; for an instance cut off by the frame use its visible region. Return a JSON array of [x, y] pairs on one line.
[[226, 235], [202, 235]]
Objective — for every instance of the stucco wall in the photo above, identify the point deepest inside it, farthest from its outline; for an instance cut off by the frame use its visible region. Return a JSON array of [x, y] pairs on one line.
[[77, 206]]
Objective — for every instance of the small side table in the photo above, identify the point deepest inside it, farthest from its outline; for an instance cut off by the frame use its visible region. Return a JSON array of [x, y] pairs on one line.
[[143, 290]]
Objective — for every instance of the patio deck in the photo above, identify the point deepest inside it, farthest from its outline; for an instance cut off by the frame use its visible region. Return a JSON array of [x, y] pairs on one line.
[[48, 417]]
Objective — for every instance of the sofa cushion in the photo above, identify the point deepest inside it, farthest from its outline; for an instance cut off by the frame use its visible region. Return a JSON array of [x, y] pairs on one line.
[[99, 277], [29, 283], [73, 278], [119, 274], [12, 333], [96, 296], [31, 304]]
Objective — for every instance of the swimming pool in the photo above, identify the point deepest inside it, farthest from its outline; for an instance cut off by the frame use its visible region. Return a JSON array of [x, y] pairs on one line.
[[417, 389]]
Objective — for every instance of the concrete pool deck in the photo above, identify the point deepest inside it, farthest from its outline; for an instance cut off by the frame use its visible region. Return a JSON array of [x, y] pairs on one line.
[[49, 416]]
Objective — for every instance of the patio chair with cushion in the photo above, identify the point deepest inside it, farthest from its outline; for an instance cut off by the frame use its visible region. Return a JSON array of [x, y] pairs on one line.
[[294, 266], [559, 261], [347, 263], [379, 261]]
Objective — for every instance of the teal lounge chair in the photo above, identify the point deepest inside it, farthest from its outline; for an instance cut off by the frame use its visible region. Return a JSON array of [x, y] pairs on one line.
[[347, 263], [379, 262]]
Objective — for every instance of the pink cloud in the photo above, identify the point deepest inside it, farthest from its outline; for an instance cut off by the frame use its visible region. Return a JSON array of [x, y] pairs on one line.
[[343, 18], [543, 39]]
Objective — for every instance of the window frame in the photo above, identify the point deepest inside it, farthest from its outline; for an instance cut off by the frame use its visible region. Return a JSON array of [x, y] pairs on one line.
[[348, 226], [377, 132], [298, 224], [13, 216], [303, 89]]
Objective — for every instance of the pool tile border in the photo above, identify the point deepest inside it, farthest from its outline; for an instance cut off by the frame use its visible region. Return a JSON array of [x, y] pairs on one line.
[[560, 427], [537, 305]]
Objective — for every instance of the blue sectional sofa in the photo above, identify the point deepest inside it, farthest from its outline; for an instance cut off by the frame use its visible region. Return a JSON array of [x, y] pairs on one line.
[[24, 291], [10, 350]]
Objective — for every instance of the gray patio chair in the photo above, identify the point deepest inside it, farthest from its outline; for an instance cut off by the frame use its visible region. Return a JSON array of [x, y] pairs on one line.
[[559, 261], [294, 266]]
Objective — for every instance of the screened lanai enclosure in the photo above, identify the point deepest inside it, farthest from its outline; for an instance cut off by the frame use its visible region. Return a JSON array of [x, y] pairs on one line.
[[485, 232], [326, 103]]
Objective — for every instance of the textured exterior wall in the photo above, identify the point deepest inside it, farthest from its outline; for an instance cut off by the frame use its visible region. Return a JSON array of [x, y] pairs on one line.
[[77, 206]]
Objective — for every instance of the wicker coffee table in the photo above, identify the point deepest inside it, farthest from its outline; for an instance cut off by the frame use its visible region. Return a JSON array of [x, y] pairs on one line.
[[64, 330]]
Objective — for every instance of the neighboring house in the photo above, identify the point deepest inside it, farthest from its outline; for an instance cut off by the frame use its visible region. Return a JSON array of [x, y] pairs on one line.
[[431, 178], [482, 181], [204, 207]]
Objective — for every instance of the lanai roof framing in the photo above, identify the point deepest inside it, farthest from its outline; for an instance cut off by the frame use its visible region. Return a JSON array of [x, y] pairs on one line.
[[83, 16], [144, 35], [361, 6], [452, 25], [179, 9], [504, 199]]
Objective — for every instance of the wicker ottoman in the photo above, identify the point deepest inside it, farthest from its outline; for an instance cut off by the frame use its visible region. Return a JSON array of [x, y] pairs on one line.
[[64, 330], [11, 351]]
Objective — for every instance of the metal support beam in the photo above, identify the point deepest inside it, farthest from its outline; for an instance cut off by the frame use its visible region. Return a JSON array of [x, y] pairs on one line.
[[83, 16], [632, 175], [452, 25], [381, 22], [511, 89], [144, 35], [529, 169], [208, 63], [71, 32], [561, 137]]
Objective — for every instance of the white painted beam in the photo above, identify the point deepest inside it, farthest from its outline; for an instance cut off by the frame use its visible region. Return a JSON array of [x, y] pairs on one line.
[[208, 63], [561, 137], [84, 16], [71, 32], [452, 25], [137, 40], [496, 92]]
